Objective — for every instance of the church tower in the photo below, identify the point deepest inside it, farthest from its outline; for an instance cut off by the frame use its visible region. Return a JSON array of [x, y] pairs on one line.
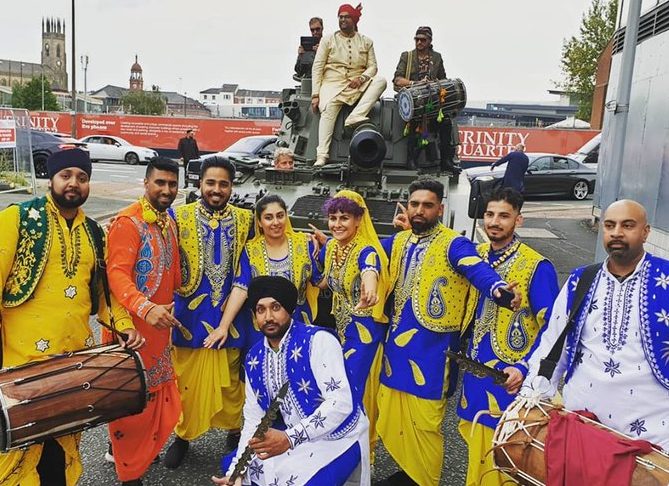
[[136, 79], [54, 59]]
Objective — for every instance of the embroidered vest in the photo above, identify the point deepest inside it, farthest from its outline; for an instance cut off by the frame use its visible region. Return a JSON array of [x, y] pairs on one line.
[[191, 243], [299, 263], [437, 292], [34, 243], [344, 281], [303, 392], [653, 313], [512, 333]]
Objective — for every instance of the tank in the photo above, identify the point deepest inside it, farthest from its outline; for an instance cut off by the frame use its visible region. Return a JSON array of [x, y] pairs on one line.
[[372, 160]]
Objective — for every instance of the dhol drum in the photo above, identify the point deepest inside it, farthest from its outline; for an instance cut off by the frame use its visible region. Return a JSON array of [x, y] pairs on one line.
[[426, 100], [518, 448], [69, 393]]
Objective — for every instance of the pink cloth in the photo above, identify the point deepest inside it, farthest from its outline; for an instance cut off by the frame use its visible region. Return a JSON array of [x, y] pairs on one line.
[[579, 453]]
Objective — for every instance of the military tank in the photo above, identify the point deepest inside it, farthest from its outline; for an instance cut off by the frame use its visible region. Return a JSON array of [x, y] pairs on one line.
[[372, 160]]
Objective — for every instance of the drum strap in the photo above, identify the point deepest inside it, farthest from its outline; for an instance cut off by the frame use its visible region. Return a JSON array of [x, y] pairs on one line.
[[548, 364], [101, 265], [409, 63]]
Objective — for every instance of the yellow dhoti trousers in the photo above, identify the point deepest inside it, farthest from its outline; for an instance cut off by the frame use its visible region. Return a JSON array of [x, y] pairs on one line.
[[212, 395], [19, 467], [480, 470], [410, 428]]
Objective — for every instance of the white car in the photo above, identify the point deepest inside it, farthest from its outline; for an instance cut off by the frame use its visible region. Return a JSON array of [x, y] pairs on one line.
[[106, 147]]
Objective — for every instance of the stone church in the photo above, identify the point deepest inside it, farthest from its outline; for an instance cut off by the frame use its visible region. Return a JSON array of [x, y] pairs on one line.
[[53, 65]]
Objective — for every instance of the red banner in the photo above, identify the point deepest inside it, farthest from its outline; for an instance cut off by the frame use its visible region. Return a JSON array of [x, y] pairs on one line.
[[484, 144], [156, 132], [478, 144]]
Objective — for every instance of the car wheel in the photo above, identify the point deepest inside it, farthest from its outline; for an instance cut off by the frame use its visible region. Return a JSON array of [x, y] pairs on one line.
[[40, 166], [131, 158], [580, 190]]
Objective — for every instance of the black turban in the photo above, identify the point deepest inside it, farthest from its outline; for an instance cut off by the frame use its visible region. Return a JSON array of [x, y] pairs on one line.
[[279, 288], [64, 159]]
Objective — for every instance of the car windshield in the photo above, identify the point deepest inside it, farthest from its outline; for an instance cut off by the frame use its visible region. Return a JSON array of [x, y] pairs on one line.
[[249, 145], [590, 145]]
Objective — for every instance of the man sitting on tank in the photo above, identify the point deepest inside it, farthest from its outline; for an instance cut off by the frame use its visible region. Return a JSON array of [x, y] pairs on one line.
[[423, 65], [284, 159], [344, 73]]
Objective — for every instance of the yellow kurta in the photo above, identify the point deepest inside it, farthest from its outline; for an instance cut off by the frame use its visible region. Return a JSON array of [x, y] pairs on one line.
[[54, 320], [339, 60]]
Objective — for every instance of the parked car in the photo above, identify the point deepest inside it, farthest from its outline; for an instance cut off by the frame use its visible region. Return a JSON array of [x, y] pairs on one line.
[[548, 175], [589, 153], [45, 144], [253, 147], [106, 147]]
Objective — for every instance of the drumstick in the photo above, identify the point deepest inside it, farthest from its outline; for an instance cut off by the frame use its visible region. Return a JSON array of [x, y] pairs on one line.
[[120, 334]]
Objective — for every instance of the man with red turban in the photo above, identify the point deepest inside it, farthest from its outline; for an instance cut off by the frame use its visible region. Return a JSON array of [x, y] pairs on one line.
[[344, 72]]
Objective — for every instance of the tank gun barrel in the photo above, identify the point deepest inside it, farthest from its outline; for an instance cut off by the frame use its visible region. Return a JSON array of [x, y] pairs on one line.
[[367, 147]]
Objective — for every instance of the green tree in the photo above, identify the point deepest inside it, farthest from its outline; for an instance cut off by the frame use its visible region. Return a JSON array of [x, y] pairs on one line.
[[581, 53], [143, 103], [29, 95]]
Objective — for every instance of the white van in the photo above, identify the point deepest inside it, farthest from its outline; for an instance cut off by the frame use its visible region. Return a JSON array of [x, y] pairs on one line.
[[589, 153]]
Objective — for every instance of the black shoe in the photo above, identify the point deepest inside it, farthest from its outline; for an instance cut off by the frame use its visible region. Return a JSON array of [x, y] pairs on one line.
[[232, 440], [134, 482], [175, 453], [400, 478]]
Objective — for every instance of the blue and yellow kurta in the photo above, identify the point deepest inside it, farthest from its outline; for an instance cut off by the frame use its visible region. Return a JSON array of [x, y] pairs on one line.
[[502, 338], [210, 244], [300, 266], [430, 279]]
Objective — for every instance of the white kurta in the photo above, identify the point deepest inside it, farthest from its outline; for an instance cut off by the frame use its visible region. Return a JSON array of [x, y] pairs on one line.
[[612, 377], [312, 450]]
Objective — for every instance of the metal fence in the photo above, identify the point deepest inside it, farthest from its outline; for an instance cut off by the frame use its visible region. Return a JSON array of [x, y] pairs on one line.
[[17, 172]]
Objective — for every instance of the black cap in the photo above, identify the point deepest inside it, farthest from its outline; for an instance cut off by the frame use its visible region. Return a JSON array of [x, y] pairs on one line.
[[279, 288], [64, 159]]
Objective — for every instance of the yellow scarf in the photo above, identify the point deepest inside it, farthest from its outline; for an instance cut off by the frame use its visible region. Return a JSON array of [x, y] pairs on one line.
[[366, 236]]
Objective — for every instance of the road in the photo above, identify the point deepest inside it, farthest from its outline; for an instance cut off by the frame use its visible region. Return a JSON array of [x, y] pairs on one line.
[[558, 229]]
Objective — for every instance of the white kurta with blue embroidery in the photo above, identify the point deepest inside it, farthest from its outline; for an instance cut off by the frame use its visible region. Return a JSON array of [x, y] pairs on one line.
[[611, 376], [312, 448]]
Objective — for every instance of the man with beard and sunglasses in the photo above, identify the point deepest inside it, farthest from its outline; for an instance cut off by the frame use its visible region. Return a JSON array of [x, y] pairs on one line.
[[498, 337], [431, 270], [51, 284], [212, 235], [143, 271], [614, 360]]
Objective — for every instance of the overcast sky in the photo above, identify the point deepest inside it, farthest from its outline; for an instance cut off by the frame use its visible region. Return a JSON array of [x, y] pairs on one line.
[[502, 50]]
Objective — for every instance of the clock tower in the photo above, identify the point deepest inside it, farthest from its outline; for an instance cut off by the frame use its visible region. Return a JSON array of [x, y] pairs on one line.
[[136, 78], [54, 61]]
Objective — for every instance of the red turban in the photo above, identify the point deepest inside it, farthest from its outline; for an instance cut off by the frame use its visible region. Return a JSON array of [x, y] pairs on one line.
[[355, 13]]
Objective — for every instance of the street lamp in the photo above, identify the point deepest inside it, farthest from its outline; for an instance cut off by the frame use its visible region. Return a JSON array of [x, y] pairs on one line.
[[74, 76], [22, 73], [84, 65], [42, 88], [184, 103]]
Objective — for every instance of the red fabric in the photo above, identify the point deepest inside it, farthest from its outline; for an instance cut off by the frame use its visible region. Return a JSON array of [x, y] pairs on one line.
[[355, 13], [579, 453]]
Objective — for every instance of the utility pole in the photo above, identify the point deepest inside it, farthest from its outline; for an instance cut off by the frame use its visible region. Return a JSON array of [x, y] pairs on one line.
[[184, 103], [74, 77], [84, 65], [42, 88]]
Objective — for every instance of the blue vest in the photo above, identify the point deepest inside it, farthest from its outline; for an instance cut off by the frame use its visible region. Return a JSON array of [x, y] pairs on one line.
[[653, 312], [303, 392]]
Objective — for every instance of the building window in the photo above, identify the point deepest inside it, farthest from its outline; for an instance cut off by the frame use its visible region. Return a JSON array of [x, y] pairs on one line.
[[227, 96], [205, 97], [58, 50], [213, 97]]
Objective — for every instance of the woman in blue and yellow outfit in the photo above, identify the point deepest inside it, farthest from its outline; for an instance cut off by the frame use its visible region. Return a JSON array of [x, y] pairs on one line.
[[276, 249], [355, 269]]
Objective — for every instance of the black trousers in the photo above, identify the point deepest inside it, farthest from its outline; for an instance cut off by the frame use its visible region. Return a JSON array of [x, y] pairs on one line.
[[448, 141], [51, 466]]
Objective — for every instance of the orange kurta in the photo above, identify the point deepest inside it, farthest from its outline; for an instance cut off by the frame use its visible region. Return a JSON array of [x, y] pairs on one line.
[[143, 271]]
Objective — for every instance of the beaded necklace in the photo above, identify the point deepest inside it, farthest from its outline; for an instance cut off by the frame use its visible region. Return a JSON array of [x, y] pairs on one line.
[[152, 215], [504, 253], [214, 217]]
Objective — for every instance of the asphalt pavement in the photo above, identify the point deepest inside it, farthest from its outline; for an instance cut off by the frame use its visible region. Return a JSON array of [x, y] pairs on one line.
[[560, 230]]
